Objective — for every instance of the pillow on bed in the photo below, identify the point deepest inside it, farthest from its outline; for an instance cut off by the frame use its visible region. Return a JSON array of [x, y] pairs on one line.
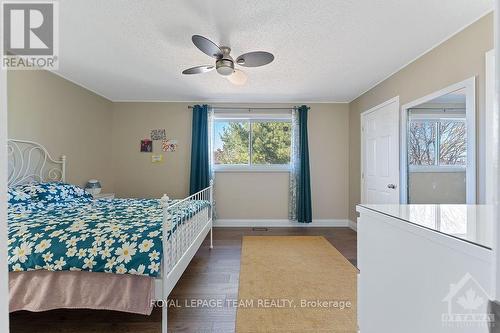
[[57, 192], [15, 197]]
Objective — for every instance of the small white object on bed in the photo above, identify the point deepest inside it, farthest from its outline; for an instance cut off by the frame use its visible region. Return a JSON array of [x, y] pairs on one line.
[[93, 187], [30, 162]]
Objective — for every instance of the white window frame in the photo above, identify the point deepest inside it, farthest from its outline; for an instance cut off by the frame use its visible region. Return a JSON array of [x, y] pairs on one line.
[[436, 167], [251, 119]]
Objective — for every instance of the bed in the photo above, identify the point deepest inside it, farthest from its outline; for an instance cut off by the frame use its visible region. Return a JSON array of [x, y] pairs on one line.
[[68, 250]]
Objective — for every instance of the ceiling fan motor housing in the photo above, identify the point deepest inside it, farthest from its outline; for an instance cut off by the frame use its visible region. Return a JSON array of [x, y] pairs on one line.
[[225, 65]]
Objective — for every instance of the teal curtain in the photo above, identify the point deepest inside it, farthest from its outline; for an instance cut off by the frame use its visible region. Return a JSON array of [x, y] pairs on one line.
[[304, 207], [200, 168]]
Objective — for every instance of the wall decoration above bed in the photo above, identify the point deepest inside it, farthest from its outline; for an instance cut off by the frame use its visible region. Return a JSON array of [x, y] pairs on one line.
[[156, 158], [146, 146], [158, 134], [169, 145]]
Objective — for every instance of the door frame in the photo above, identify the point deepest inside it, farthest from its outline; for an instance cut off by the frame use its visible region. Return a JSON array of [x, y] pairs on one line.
[[491, 130], [362, 156], [495, 146], [470, 114]]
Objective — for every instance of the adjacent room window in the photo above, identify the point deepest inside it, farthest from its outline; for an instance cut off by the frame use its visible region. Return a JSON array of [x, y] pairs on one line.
[[252, 144], [437, 143]]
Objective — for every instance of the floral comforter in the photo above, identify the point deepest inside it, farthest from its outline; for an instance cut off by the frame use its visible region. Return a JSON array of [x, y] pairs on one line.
[[115, 236]]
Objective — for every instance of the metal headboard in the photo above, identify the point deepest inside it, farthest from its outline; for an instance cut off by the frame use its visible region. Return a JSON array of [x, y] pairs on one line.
[[31, 162]]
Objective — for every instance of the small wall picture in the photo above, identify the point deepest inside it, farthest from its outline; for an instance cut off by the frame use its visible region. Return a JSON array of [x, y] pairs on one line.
[[146, 146], [169, 145], [158, 134], [156, 158]]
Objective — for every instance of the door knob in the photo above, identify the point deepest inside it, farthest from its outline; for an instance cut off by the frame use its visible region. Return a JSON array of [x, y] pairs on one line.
[[391, 186]]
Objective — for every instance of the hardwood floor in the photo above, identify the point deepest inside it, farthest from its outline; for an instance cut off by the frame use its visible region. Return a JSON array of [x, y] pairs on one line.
[[211, 275]]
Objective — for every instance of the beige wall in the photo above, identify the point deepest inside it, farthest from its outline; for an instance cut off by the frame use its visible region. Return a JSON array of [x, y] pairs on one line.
[[238, 195], [250, 195], [328, 158], [437, 187], [64, 117], [101, 140], [135, 175], [457, 59]]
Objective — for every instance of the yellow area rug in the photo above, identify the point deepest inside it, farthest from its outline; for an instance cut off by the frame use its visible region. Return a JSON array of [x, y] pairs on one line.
[[295, 284]]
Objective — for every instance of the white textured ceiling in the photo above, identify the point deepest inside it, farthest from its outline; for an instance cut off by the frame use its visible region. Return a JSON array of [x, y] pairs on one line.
[[326, 50]]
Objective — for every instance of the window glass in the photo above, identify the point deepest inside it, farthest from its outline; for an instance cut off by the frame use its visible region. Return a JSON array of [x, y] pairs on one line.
[[259, 142], [271, 141], [231, 142], [453, 143], [422, 142]]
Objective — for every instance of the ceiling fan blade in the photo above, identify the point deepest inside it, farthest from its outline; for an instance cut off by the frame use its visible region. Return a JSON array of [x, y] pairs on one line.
[[198, 69], [238, 77], [255, 59], [207, 46]]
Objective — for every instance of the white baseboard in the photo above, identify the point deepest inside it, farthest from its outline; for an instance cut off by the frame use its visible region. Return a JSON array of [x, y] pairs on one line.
[[280, 223], [353, 225]]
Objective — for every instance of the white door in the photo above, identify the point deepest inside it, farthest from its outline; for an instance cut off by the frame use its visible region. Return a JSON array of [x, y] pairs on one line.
[[380, 154]]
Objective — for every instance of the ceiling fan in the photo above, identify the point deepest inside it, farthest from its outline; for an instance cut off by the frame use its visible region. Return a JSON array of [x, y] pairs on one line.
[[224, 63]]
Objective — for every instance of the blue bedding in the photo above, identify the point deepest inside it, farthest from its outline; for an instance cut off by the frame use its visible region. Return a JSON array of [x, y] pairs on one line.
[[122, 236]]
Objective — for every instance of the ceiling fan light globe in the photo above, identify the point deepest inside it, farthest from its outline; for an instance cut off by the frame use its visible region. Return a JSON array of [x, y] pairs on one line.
[[226, 71], [238, 78], [225, 67]]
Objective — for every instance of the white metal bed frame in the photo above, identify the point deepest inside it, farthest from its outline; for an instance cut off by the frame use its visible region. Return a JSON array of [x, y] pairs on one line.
[[30, 161]]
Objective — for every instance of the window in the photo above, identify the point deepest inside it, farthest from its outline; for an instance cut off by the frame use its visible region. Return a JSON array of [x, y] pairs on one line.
[[452, 143], [252, 144], [437, 143]]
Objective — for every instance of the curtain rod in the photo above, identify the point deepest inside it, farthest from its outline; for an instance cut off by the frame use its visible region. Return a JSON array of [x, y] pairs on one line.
[[249, 108]]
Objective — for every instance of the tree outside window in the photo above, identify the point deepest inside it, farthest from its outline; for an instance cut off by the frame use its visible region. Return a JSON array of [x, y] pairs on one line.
[[437, 142], [252, 142]]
